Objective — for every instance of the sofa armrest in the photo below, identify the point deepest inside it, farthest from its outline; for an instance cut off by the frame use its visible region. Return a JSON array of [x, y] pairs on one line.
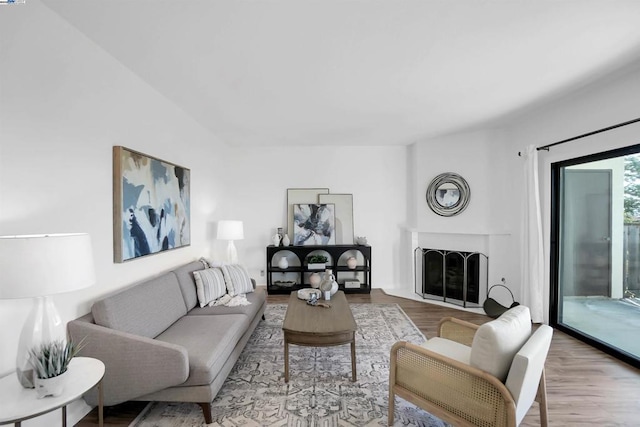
[[134, 365], [447, 388], [457, 330]]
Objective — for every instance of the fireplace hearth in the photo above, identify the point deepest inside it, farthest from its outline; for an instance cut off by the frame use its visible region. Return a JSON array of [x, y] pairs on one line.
[[457, 277]]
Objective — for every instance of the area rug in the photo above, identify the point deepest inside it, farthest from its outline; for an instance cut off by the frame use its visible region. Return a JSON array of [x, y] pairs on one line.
[[319, 392]]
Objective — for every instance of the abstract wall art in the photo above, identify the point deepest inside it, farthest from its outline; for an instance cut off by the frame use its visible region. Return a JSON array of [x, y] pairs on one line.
[[297, 196], [313, 224], [151, 205]]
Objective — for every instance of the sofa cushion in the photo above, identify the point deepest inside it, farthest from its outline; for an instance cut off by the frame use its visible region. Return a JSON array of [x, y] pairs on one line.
[[237, 279], [209, 285], [209, 341], [187, 282], [257, 300], [145, 309], [496, 343]]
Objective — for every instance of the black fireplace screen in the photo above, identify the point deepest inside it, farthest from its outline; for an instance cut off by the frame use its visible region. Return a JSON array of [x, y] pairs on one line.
[[453, 276]]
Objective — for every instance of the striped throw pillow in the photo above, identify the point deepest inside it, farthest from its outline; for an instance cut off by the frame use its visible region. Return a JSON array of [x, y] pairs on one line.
[[237, 279], [210, 285]]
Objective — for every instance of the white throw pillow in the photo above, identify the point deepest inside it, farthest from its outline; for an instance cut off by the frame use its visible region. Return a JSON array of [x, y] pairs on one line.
[[497, 342], [210, 285], [237, 279]]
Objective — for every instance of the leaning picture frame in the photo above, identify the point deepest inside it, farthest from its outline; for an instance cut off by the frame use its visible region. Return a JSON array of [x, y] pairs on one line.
[[151, 205], [344, 216], [300, 196], [313, 224]]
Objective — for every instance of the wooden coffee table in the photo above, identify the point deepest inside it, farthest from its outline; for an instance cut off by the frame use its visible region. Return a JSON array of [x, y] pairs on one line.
[[317, 326]]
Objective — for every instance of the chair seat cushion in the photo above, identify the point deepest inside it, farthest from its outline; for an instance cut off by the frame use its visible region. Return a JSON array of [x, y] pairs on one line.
[[496, 343], [448, 348]]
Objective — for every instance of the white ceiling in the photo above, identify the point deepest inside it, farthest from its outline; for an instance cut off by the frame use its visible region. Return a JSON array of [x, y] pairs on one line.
[[358, 72]]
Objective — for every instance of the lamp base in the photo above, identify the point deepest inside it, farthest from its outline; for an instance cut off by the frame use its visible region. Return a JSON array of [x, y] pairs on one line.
[[232, 254], [42, 326]]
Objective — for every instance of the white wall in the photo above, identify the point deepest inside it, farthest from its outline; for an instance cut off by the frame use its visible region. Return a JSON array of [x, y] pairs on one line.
[[64, 104], [485, 225], [602, 104], [376, 176], [488, 160]]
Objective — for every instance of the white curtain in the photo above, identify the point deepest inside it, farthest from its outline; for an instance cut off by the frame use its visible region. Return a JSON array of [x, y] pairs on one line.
[[532, 246]]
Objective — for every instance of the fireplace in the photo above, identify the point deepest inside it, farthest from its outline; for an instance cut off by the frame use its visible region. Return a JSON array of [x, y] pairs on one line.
[[456, 277]]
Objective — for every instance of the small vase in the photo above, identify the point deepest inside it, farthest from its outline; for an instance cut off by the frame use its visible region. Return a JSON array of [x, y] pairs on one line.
[[283, 263], [50, 386], [276, 240], [285, 240], [334, 287], [314, 280], [352, 262], [329, 284]]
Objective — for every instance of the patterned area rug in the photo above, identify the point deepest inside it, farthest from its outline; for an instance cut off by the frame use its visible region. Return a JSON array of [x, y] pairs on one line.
[[319, 392]]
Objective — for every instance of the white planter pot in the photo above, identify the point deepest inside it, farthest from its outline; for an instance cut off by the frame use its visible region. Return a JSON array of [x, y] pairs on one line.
[[50, 386], [316, 266]]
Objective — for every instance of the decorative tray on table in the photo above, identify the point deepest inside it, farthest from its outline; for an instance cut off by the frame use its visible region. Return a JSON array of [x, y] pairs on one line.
[[305, 294]]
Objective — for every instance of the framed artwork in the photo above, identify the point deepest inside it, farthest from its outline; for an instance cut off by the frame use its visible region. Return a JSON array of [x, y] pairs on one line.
[[151, 205], [344, 215], [300, 196], [313, 224]]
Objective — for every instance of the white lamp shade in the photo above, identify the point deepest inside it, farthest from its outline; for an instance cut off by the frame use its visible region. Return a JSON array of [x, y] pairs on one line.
[[230, 230], [39, 265]]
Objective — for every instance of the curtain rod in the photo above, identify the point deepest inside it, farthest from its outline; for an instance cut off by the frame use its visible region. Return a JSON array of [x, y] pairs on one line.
[[546, 147]]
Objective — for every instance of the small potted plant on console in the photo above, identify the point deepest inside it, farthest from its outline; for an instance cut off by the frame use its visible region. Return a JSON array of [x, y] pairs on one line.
[[316, 262]]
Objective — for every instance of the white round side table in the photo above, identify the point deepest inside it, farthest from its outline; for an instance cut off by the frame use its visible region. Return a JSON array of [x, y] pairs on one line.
[[19, 403]]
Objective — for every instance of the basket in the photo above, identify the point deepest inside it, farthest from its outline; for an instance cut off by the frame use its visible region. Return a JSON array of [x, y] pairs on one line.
[[493, 308]]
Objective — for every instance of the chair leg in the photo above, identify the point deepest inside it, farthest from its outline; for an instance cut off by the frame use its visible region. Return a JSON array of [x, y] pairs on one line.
[[542, 401], [206, 411], [392, 406]]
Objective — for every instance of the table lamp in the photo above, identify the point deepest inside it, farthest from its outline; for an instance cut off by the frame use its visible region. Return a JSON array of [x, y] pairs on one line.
[[38, 266], [230, 230]]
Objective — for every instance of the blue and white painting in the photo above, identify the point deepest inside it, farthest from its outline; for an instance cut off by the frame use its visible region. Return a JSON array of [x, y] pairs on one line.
[[153, 205], [314, 224]]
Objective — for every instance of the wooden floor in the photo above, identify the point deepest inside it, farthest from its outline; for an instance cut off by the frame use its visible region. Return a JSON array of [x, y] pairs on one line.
[[585, 386]]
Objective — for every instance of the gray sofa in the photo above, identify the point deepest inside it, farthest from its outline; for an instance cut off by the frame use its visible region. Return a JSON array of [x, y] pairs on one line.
[[158, 344]]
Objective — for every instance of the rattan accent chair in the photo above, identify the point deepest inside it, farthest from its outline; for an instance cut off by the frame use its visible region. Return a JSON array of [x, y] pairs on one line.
[[472, 375]]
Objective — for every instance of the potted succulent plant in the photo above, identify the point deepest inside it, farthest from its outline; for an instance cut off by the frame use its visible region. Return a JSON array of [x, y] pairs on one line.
[[50, 361], [316, 262]]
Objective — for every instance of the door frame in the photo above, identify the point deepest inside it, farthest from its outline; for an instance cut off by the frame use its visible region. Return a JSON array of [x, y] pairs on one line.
[[554, 294]]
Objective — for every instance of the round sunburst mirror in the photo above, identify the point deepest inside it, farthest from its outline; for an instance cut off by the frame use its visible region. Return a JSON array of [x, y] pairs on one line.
[[448, 194]]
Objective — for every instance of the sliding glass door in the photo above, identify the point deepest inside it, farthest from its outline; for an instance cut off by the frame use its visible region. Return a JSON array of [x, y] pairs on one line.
[[596, 250]]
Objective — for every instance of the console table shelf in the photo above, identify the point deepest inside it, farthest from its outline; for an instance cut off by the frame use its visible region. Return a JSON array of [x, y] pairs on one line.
[[296, 275]]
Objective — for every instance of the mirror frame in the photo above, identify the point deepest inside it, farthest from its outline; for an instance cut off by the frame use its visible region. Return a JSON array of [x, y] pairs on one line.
[[463, 189]]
